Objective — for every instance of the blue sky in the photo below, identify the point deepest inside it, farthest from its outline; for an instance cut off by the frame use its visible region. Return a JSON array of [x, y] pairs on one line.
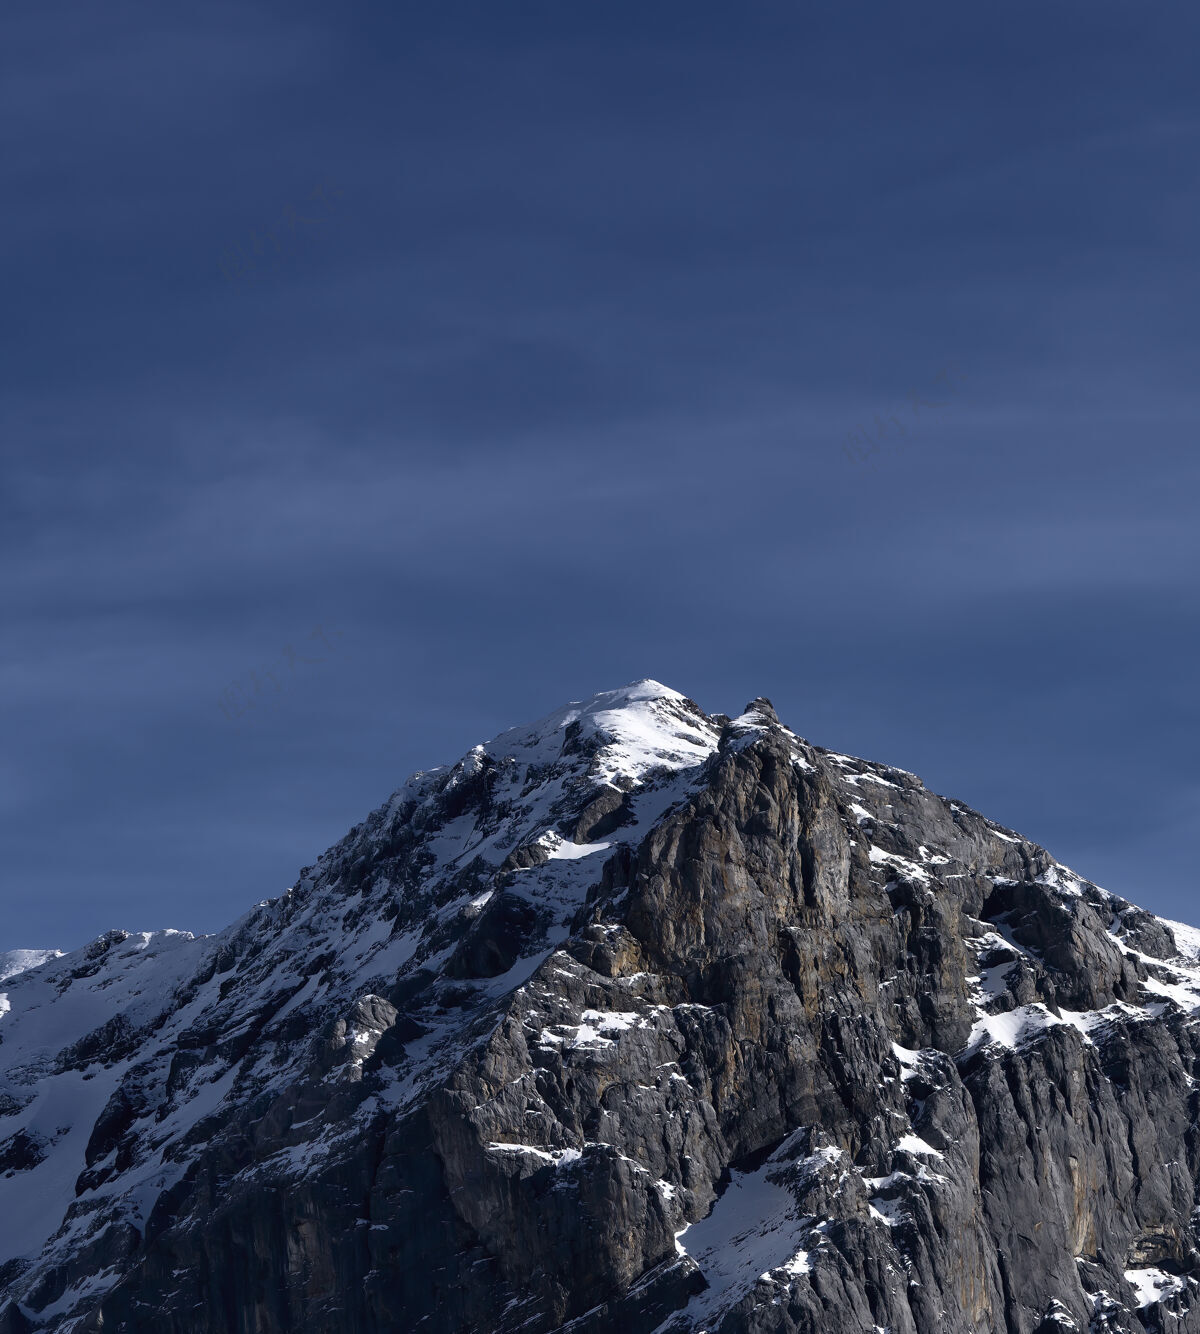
[[583, 322]]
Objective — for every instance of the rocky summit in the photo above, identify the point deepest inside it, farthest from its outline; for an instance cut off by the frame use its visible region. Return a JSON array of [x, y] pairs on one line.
[[636, 1019]]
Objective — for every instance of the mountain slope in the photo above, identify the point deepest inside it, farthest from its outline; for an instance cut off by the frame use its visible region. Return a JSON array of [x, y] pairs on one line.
[[636, 1019]]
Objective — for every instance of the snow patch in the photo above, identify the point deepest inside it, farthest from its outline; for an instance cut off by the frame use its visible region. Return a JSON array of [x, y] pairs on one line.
[[1063, 879], [754, 1231], [901, 864], [1153, 1285], [915, 1144], [1187, 940]]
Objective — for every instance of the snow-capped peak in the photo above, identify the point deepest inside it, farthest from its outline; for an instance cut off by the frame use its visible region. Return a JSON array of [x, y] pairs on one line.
[[537, 779], [641, 727]]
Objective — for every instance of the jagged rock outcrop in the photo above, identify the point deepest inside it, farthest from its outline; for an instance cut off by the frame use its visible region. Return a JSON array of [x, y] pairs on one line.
[[636, 1020]]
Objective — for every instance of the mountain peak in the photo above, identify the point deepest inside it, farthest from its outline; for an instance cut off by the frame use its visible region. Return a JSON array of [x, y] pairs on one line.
[[758, 713], [635, 1018], [639, 728]]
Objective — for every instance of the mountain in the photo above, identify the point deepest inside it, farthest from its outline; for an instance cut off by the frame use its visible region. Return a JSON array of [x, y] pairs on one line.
[[634, 1019]]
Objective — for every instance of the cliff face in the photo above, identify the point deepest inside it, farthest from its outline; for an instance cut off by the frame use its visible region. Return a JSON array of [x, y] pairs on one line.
[[632, 1020]]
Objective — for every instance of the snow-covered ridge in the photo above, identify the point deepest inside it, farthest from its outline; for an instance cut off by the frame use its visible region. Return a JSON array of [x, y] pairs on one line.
[[21, 961]]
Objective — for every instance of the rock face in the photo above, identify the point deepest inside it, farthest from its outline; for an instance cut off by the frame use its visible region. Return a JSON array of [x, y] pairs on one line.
[[633, 1020]]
